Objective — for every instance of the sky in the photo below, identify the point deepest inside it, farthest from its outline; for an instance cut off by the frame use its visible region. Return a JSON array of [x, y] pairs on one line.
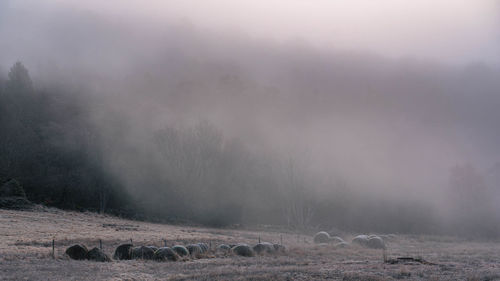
[[455, 31]]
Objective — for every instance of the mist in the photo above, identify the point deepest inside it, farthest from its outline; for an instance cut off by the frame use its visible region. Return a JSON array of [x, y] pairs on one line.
[[359, 115]]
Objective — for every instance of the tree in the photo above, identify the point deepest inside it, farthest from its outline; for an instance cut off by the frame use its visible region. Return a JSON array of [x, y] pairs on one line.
[[19, 79], [471, 205], [298, 205]]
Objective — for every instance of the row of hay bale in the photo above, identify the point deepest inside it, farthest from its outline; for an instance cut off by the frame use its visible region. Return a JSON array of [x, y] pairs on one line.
[[246, 250], [174, 253], [367, 241], [80, 252]]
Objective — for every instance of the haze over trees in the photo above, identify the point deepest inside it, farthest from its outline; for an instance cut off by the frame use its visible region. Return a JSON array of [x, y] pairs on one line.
[[176, 123]]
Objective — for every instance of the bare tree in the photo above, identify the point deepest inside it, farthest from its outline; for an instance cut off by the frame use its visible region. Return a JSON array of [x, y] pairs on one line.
[[298, 207]]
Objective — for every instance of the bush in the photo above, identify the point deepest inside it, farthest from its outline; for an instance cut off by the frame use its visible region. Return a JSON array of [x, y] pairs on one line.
[[12, 188]]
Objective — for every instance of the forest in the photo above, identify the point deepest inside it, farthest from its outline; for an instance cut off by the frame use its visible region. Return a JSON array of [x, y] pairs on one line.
[[53, 147], [159, 118]]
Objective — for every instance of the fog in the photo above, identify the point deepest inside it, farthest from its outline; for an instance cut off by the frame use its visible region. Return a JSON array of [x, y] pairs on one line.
[[381, 107]]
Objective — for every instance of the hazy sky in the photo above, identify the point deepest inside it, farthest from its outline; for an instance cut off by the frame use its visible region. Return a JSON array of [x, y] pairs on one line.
[[399, 125], [451, 30]]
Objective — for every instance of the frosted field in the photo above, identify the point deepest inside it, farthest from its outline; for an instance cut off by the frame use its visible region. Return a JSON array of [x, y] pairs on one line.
[[26, 253]]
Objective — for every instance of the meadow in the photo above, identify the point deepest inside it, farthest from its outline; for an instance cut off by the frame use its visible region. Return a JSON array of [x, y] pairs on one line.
[[26, 252]]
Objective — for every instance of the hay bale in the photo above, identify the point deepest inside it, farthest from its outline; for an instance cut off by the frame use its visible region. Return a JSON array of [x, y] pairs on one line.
[[336, 240], [342, 245], [194, 249], [361, 240], [154, 248], [279, 248], [123, 252], [142, 252], [204, 247], [375, 242], [180, 250], [166, 254], [77, 252], [97, 254], [223, 248], [321, 237], [243, 250], [263, 247]]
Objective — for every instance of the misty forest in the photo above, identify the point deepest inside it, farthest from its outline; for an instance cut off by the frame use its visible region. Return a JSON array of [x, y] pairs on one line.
[[170, 120], [175, 126]]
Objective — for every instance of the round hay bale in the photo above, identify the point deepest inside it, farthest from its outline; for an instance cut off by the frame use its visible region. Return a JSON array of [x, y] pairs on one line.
[[263, 247], [336, 240], [142, 252], [223, 248], [77, 252], [194, 249], [204, 247], [243, 250], [123, 252], [361, 240], [321, 237], [342, 245], [97, 254], [154, 248], [180, 250], [388, 237], [375, 243], [166, 253], [279, 248]]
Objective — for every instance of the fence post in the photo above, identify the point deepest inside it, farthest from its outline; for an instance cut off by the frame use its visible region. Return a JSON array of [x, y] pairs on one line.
[[100, 244], [53, 249], [259, 239]]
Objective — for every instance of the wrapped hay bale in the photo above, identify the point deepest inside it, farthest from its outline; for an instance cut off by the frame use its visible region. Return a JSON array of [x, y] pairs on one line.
[[123, 252], [142, 252], [223, 248], [361, 240], [243, 250], [321, 237], [180, 250], [375, 242], [263, 247], [336, 240], [166, 254], [204, 247], [77, 252], [279, 248], [342, 245], [194, 249], [97, 254]]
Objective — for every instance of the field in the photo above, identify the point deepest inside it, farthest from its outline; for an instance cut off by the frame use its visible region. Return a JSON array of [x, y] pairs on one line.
[[26, 253]]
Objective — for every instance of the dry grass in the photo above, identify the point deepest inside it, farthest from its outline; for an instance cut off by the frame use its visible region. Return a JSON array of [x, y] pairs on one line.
[[25, 253]]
